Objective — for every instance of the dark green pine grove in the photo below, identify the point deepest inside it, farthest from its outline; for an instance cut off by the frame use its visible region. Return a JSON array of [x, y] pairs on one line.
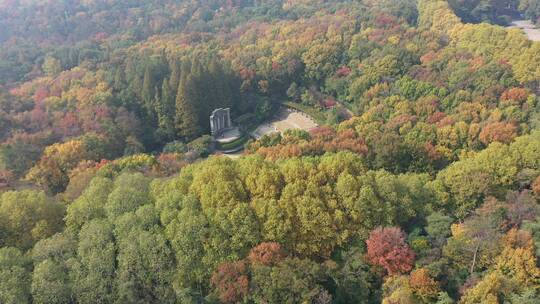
[[177, 98]]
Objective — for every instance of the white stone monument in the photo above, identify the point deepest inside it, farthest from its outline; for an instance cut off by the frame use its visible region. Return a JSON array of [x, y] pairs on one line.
[[221, 127], [220, 121]]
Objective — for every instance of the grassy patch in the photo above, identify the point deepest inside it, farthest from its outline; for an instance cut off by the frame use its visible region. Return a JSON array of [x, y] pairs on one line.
[[234, 144]]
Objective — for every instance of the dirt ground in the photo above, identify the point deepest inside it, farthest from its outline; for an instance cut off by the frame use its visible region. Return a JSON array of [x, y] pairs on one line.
[[528, 27], [286, 120]]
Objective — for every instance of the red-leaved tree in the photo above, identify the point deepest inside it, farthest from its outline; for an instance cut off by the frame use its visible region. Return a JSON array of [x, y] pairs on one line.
[[268, 254], [386, 247], [231, 282]]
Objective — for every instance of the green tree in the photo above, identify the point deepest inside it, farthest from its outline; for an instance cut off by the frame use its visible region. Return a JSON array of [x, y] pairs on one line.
[[51, 66], [176, 75], [354, 280], [187, 229], [15, 274], [147, 90], [50, 283], [291, 281], [187, 119], [130, 191], [222, 92], [165, 113], [145, 261], [28, 216], [90, 205], [438, 227], [93, 273]]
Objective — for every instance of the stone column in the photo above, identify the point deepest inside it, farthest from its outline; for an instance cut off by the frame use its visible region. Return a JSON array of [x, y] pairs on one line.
[[220, 122]]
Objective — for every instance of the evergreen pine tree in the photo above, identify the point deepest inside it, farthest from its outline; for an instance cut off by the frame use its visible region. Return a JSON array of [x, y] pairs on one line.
[[119, 79], [203, 97], [73, 57], [174, 80], [165, 112], [147, 91], [134, 84], [220, 85], [187, 120], [150, 96], [132, 77]]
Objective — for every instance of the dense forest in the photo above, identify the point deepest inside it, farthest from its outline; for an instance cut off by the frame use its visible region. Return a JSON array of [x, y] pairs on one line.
[[496, 11], [427, 192]]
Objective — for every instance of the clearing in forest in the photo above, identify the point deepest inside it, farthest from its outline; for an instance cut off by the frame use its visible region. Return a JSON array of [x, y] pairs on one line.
[[285, 120]]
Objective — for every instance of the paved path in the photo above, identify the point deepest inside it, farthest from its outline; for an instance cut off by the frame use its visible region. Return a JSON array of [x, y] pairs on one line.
[[528, 27], [236, 155]]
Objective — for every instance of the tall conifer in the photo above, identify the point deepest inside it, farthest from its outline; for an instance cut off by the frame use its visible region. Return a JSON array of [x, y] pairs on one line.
[[187, 120]]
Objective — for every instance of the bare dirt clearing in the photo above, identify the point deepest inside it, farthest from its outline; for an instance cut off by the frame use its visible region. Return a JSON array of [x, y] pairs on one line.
[[528, 27], [287, 119]]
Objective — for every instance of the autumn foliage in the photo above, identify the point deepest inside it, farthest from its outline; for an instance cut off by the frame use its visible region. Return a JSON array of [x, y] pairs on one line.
[[321, 140], [515, 95], [536, 186], [267, 254], [386, 247], [498, 131], [423, 284], [231, 282]]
